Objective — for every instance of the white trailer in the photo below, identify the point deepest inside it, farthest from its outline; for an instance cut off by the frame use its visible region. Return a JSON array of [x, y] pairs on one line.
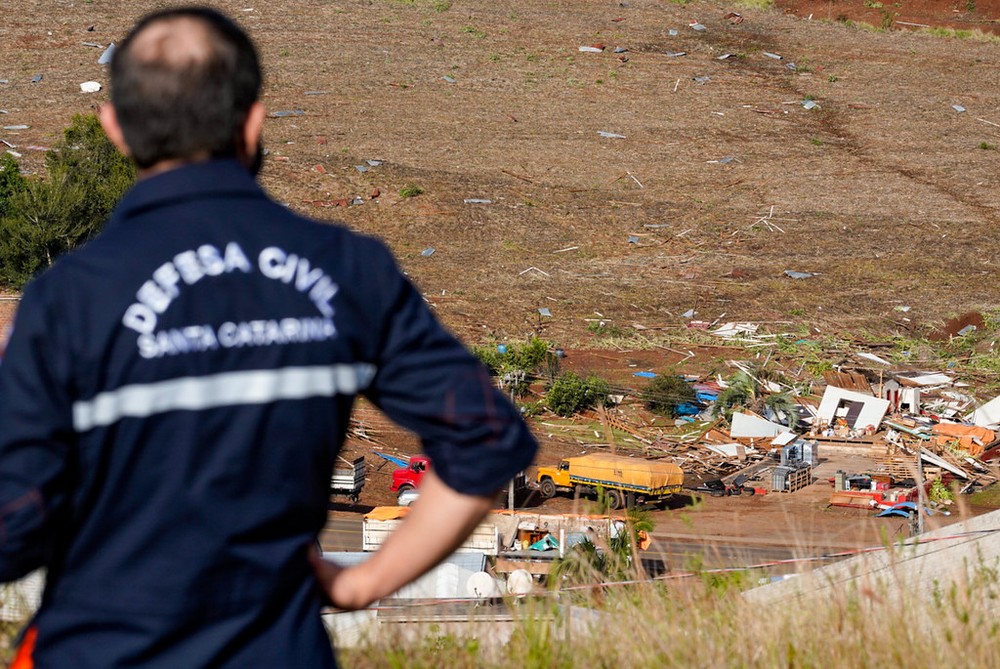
[[349, 480]]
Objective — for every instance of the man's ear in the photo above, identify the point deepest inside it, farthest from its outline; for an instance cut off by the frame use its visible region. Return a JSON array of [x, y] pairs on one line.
[[109, 121], [253, 127]]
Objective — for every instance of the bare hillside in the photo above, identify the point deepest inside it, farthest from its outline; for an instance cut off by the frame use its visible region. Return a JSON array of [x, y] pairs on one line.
[[715, 180]]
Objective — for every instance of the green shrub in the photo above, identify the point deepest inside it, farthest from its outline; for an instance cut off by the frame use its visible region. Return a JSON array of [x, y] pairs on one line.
[[939, 492], [571, 393], [88, 160], [600, 328], [41, 227], [529, 356], [519, 364], [491, 358], [11, 182], [665, 393], [42, 219]]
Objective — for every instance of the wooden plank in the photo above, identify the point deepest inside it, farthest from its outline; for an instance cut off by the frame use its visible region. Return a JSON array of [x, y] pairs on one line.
[[798, 479], [848, 381], [854, 500], [859, 441], [505, 566]]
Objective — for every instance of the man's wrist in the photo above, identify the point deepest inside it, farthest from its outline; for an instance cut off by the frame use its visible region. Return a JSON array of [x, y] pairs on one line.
[[357, 588]]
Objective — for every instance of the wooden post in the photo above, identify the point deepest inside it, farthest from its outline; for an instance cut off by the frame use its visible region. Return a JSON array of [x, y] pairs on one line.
[[609, 432], [921, 493]]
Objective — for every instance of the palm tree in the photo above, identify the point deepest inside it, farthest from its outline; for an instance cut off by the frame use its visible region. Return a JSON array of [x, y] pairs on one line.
[[588, 562], [748, 390]]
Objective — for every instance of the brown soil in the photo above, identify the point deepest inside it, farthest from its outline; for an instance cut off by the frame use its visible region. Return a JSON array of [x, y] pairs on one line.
[[886, 192], [912, 14]]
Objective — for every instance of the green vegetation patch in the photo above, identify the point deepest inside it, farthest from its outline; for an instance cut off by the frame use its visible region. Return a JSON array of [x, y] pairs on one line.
[[666, 393], [988, 497], [411, 190], [570, 393], [43, 218]]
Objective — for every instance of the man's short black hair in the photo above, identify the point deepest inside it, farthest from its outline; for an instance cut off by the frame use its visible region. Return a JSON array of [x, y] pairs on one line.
[[181, 103]]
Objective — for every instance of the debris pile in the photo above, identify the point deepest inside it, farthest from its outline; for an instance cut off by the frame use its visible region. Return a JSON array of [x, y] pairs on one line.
[[914, 426]]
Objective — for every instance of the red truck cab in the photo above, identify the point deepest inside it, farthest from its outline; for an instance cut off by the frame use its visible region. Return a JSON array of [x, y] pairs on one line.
[[409, 477]]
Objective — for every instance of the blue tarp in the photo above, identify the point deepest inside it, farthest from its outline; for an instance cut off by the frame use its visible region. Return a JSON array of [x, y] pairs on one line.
[[687, 409], [645, 375], [545, 543], [903, 509], [402, 462]]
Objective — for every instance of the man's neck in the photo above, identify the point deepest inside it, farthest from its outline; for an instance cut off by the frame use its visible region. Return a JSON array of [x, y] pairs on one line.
[[167, 165]]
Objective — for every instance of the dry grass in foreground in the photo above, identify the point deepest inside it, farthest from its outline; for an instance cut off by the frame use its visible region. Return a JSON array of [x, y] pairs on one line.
[[709, 624], [705, 623]]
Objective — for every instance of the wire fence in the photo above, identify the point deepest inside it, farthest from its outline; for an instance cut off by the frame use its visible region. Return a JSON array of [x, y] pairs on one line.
[[826, 557]]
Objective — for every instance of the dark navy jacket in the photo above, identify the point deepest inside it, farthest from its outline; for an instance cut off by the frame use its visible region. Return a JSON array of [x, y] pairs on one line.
[[172, 401]]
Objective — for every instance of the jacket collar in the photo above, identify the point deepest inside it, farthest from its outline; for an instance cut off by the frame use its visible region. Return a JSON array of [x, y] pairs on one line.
[[193, 181]]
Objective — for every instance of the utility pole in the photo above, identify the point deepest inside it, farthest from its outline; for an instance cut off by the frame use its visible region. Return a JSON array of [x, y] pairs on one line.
[[921, 493]]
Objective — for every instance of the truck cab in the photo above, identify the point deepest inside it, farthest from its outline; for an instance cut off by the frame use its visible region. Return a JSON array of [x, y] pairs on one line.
[[409, 477], [550, 479]]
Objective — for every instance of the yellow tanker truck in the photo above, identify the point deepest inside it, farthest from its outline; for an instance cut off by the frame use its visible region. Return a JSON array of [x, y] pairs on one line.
[[626, 481]]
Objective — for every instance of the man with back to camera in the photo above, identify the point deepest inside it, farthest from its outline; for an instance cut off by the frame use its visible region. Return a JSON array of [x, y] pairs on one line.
[[175, 393]]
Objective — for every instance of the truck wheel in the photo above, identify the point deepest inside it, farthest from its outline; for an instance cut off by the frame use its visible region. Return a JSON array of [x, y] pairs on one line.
[[547, 488], [615, 500], [403, 488]]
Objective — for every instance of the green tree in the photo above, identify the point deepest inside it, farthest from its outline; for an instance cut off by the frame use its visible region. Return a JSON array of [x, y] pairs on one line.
[[519, 363], [42, 226], [11, 182], [665, 393], [571, 393], [42, 219], [86, 159]]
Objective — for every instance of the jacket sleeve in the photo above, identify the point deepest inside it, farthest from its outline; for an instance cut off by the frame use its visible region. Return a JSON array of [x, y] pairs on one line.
[[429, 383], [36, 433]]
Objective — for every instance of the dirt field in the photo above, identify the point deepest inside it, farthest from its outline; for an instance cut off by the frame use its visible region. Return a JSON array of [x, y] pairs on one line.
[[913, 14], [721, 182], [882, 191]]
